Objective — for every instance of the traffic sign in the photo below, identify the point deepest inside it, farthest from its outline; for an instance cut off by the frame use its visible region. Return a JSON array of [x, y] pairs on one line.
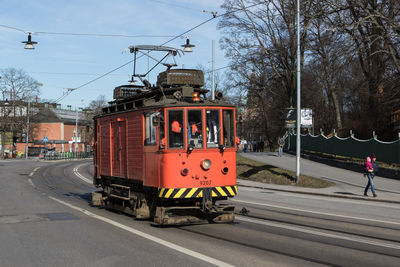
[[45, 139]]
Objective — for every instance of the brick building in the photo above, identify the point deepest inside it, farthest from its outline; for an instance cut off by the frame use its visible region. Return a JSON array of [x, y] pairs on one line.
[[53, 128]]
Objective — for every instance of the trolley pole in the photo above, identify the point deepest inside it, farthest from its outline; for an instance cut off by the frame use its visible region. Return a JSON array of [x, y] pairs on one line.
[[298, 148]]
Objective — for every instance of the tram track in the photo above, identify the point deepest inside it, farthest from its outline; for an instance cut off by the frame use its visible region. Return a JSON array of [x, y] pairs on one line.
[[272, 230], [356, 227]]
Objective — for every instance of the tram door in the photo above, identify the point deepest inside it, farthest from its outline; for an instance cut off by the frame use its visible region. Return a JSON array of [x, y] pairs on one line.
[[118, 147]]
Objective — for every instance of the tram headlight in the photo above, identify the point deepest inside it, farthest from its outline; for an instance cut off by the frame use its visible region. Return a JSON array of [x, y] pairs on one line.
[[225, 170], [206, 164]]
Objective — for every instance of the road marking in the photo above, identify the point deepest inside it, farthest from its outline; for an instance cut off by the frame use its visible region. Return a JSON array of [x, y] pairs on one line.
[[147, 236], [80, 176], [33, 172], [30, 181], [313, 232], [316, 212]]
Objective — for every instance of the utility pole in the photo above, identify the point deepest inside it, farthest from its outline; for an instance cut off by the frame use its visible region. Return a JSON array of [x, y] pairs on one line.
[[298, 148], [76, 133], [213, 71], [27, 131]]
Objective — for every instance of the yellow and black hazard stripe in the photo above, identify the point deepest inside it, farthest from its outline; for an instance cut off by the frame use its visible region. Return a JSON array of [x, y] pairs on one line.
[[220, 191]]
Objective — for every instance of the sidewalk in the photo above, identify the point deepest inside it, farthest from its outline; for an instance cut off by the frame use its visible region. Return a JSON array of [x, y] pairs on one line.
[[349, 184]]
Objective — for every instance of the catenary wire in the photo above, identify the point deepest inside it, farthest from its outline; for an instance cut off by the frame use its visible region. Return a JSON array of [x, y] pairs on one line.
[[117, 35], [182, 34]]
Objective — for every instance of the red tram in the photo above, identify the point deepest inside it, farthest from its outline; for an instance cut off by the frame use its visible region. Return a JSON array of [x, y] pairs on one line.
[[165, 152]]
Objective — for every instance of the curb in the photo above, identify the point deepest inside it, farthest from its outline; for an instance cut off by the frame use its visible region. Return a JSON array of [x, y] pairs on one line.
[[321, 194]]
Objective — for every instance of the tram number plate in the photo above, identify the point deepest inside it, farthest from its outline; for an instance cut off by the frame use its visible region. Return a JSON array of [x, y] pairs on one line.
[[208, 182]]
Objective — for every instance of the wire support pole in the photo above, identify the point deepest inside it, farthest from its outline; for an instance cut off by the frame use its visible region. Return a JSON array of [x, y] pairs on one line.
[[298, 144], [27, 131], [213, 71]]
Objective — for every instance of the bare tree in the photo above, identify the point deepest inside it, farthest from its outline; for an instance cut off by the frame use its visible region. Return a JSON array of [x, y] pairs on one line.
[[21, 88]]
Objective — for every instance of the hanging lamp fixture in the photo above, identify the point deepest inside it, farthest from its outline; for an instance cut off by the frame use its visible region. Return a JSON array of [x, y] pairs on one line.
[[29, 44], [188, 47]]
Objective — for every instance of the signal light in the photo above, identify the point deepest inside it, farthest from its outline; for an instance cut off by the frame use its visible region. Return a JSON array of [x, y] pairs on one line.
[[196, 97]]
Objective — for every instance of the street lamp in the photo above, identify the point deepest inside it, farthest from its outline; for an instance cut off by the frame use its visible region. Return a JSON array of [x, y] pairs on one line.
[[188, 47], [29, 44]]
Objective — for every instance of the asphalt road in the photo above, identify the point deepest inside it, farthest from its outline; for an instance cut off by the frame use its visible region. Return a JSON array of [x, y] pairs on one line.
[[46, 220]]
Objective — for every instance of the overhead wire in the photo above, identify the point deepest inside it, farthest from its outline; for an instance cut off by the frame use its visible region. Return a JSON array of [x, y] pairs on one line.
[[170, 40], [214, 16]]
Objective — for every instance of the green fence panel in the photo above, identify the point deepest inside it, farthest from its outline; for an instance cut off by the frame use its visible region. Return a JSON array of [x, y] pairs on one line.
[[388, 152]]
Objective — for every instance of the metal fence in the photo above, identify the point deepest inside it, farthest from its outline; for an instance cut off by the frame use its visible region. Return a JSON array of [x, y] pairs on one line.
[[388, 152], [67, 155]]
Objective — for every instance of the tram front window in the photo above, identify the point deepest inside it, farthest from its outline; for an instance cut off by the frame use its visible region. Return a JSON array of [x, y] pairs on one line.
[[213, 128], [228, 131], [175, 132], [195, 127]]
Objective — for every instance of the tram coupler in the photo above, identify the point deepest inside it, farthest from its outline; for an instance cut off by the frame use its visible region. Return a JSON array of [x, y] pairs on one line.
[[207, 203]]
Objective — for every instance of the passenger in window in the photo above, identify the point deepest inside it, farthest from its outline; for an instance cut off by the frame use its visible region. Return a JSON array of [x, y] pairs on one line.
[[176, 127]]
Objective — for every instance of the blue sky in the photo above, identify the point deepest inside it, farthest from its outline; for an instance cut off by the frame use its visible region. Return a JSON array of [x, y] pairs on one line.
[[67, 61]]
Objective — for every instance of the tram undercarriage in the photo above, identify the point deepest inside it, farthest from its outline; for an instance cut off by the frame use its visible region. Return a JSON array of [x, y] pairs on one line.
[[147, 205]]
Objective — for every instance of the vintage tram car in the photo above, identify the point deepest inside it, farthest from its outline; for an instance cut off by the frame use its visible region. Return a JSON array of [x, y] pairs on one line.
[[165, 152]]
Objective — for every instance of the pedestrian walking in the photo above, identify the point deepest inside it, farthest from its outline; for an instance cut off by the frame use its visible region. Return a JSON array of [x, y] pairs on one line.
[[375, 166], [369, 173], [281, 143]]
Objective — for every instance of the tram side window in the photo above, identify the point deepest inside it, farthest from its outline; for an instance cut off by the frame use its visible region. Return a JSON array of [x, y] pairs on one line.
[[228, 131], [175, 132], [162, 133], [151, 130], [194, 127], [213, 128]]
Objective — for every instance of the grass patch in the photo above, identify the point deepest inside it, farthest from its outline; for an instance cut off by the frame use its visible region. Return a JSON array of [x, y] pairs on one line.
[[252, 170]]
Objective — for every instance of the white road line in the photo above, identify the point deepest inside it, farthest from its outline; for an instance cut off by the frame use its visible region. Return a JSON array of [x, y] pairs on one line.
[[359, 240], [33, 172], [80, 176], [317, 212], [147, 236], [30, 181]]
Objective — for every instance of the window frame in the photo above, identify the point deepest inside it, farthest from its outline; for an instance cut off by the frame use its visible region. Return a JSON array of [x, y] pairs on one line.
[[233, 126], [201, 110], [168, 128], [152, 142]]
